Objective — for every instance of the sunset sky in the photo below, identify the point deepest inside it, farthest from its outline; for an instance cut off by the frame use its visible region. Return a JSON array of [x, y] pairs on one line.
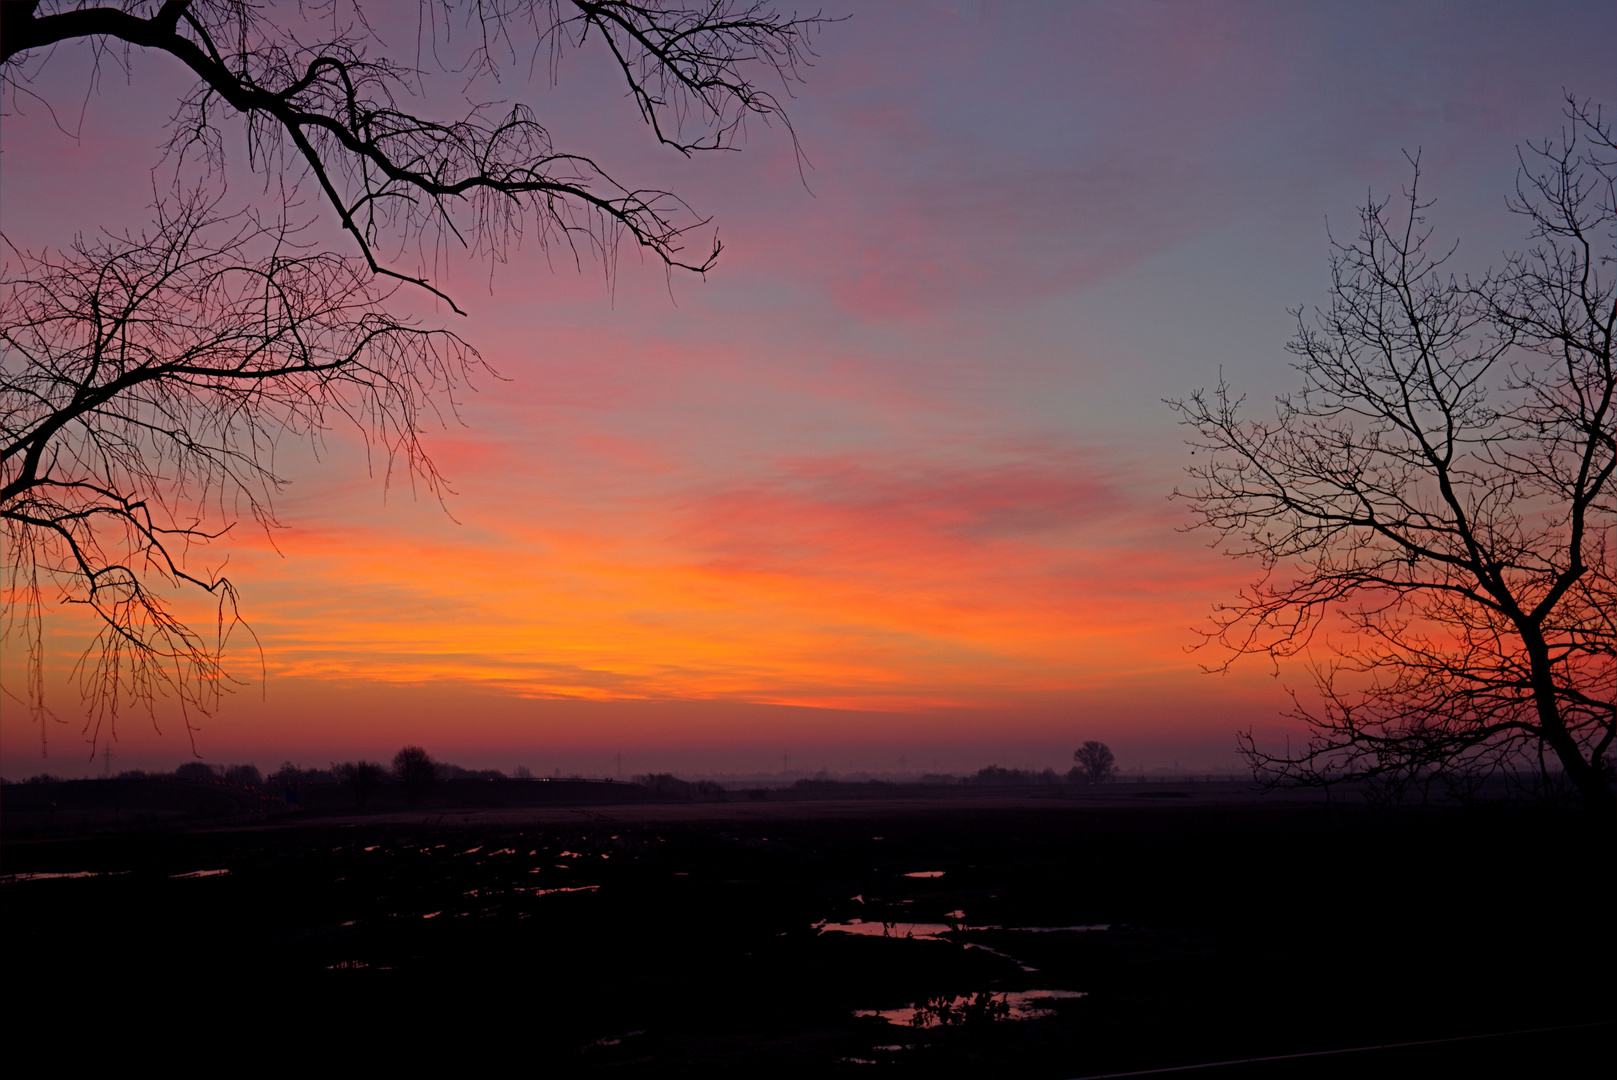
[[888, 490]]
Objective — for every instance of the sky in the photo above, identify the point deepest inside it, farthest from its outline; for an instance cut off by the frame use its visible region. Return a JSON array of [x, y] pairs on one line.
[[888, 489]]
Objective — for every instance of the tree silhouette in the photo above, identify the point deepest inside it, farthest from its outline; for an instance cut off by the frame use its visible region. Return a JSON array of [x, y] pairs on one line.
[[1094, 762], [1438, 498], [415, 772], [148, 375]]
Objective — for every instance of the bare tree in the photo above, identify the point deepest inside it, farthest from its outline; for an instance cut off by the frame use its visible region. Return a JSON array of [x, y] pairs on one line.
[[360, 778], [1435, 507], [148, 374], [1094, 762]]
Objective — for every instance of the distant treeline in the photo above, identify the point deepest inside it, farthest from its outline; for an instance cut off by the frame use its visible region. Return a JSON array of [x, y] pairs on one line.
[[994, 776], [666, 784], [246, 775], [287, 774]]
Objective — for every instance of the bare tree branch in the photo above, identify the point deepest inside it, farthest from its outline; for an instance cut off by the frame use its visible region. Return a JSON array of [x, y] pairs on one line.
[[384, 168], [145, 384]]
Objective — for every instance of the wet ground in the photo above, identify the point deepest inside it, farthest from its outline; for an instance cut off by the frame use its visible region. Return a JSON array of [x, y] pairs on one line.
[[927, 938]]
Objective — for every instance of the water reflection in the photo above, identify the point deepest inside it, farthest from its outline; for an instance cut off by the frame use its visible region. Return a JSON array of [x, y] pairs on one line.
[[929, 931]]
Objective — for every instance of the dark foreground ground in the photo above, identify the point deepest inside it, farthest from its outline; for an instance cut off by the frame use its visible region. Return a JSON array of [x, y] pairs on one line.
[[702, 939]]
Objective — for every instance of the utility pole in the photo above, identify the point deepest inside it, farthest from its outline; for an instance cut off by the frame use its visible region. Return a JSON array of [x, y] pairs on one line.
[[620, 764]]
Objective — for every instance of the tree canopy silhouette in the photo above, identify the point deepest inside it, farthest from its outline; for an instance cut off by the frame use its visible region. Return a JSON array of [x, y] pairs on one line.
[[1095, 762], [1434, 509], [415, 772], [148, 374]]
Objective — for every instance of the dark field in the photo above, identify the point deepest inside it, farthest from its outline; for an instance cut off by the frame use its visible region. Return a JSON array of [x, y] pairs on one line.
[[653, 939]]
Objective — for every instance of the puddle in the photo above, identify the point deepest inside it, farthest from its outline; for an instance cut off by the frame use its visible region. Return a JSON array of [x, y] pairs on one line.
[[918, 931], [65, 876], [952, 932], [941, 1011], [925, 931], [1031, 929], [200, 873], [562, 889], [614, 1040], [925, 873]]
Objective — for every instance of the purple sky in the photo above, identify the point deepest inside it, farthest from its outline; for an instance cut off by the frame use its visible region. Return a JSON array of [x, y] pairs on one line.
[[888, 488]]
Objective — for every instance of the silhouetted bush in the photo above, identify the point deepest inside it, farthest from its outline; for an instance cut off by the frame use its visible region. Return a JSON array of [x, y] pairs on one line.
[[980, 1008], [195, 770], [824, 785], [415, 772], [244, 774], [995, 776], [671, 785], [455, 772]]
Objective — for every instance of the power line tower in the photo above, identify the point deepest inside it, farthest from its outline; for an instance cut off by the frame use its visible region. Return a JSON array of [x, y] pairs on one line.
[[106, 761], [620, 764]]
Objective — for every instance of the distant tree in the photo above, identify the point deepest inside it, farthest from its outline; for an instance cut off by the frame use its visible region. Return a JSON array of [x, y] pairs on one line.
[[244, 774], [523, 773], [1095, 762], [416, 772], [360, 778], [195, 770]]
